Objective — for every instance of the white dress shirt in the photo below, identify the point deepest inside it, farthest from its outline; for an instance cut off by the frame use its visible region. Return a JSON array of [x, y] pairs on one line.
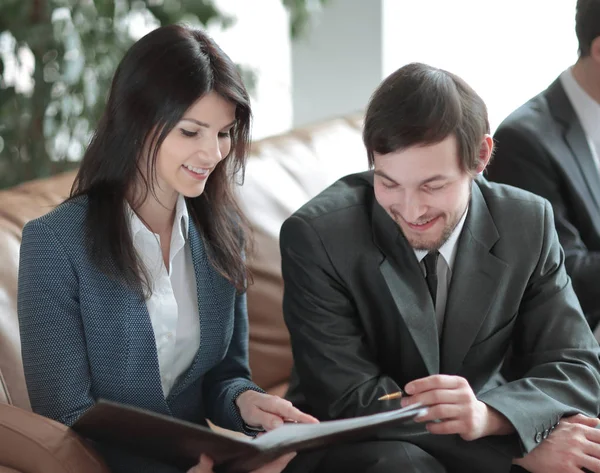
[[587, 110], [444, 266], [173, 304]]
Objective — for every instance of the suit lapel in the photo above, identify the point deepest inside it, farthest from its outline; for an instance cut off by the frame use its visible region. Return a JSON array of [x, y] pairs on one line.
[[215, 302], [404, 279], [474, 284], [574, 137]]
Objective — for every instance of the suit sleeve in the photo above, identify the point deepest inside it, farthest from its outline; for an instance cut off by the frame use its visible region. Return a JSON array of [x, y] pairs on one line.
[[522, 161], [231, 377], [339, 376], [555, 359], [53, 344]]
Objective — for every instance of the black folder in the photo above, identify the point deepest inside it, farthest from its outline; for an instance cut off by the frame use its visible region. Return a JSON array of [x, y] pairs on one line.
[[180, 443]]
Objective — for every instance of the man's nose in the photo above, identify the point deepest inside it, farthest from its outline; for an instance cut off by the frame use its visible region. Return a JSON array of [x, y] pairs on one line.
[[413, 207]]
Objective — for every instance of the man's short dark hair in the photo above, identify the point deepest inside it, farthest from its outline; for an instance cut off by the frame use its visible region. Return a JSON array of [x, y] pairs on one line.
[[587, 24], [422, 105]]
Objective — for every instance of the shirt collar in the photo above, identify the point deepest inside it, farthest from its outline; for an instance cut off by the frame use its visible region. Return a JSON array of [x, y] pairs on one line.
[[135, 224], [181, 222], [449, 248], [182, 216], [587, 109]]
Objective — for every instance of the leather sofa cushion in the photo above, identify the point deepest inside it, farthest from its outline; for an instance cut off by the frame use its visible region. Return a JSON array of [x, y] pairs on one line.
[[34, 444], [17, 206], [283, 173], [4, 469]]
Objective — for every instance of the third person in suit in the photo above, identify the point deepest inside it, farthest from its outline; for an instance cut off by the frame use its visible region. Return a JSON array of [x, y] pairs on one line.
[[551, 146]]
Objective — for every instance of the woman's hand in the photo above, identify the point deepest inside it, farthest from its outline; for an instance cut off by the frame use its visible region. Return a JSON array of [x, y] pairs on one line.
[[206, 465], [269, 412]]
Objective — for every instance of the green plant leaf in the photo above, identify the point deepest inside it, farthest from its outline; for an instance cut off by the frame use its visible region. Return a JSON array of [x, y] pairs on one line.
[[74, 47]]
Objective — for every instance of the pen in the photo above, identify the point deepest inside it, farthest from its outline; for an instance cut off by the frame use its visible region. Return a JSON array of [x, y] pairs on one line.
[[396, 395]]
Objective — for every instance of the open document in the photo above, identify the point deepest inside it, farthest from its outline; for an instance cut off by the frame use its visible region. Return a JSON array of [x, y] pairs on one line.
[[180, 443]]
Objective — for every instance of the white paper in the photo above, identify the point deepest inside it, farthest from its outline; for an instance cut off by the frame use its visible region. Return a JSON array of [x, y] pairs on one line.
[[299, 432]]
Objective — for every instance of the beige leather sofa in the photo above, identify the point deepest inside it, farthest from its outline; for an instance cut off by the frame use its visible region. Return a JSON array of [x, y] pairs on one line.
[[283, 172]]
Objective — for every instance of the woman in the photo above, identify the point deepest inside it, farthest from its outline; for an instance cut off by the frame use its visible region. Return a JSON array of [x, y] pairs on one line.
[[133, 289]]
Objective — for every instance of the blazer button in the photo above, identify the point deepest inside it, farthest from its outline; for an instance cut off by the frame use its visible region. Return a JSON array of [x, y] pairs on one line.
[[538, 437]]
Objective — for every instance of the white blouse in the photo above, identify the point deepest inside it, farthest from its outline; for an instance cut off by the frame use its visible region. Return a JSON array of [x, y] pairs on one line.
[[173, 304]]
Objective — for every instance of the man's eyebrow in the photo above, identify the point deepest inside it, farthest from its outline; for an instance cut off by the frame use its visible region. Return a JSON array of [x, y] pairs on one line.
[[384, 175], [437, 177], [205, 125]]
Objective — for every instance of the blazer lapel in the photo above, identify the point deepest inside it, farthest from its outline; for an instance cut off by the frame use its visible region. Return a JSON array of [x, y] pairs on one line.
[[142, 355], [404, 279], [474, 283], [215, 302], [574, 137]]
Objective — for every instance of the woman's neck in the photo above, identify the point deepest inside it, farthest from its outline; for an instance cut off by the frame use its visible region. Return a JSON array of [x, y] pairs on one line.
[[157, 215]]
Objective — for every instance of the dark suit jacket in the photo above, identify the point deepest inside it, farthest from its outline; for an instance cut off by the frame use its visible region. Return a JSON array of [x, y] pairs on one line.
[[362, 322], [542, 148], [86, 336]]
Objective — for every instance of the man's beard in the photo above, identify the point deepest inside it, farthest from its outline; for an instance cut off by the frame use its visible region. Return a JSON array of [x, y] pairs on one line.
[[436, 245], [421, 245]]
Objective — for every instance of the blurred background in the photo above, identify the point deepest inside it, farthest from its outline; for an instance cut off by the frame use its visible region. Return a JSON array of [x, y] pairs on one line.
[[303, 60]]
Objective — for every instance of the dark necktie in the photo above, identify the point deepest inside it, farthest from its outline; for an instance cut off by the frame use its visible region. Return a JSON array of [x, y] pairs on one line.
[[431, 269]]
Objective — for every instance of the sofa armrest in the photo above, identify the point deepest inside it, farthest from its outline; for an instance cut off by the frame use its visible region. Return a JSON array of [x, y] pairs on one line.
[[4, 469], [32, 443]]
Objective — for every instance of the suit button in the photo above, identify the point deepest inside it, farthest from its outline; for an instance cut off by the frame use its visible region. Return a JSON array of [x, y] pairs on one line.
[[538, 437], [546, 433]]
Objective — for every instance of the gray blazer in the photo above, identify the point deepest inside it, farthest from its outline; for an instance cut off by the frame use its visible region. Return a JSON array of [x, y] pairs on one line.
[[362, 322]]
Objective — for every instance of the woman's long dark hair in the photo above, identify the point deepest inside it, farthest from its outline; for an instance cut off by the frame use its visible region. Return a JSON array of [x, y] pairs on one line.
[[158, 79]]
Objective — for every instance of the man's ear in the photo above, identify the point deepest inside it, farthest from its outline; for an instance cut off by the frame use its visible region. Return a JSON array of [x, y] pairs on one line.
[[485, 153]]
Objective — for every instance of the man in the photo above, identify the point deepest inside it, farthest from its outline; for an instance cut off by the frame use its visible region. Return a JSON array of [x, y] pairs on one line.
[[551, 146], [417, 276]]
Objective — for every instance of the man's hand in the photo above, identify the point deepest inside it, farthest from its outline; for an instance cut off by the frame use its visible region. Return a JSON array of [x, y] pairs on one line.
[[573, 445], [452, 405], [269, 412], [206, 465]]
